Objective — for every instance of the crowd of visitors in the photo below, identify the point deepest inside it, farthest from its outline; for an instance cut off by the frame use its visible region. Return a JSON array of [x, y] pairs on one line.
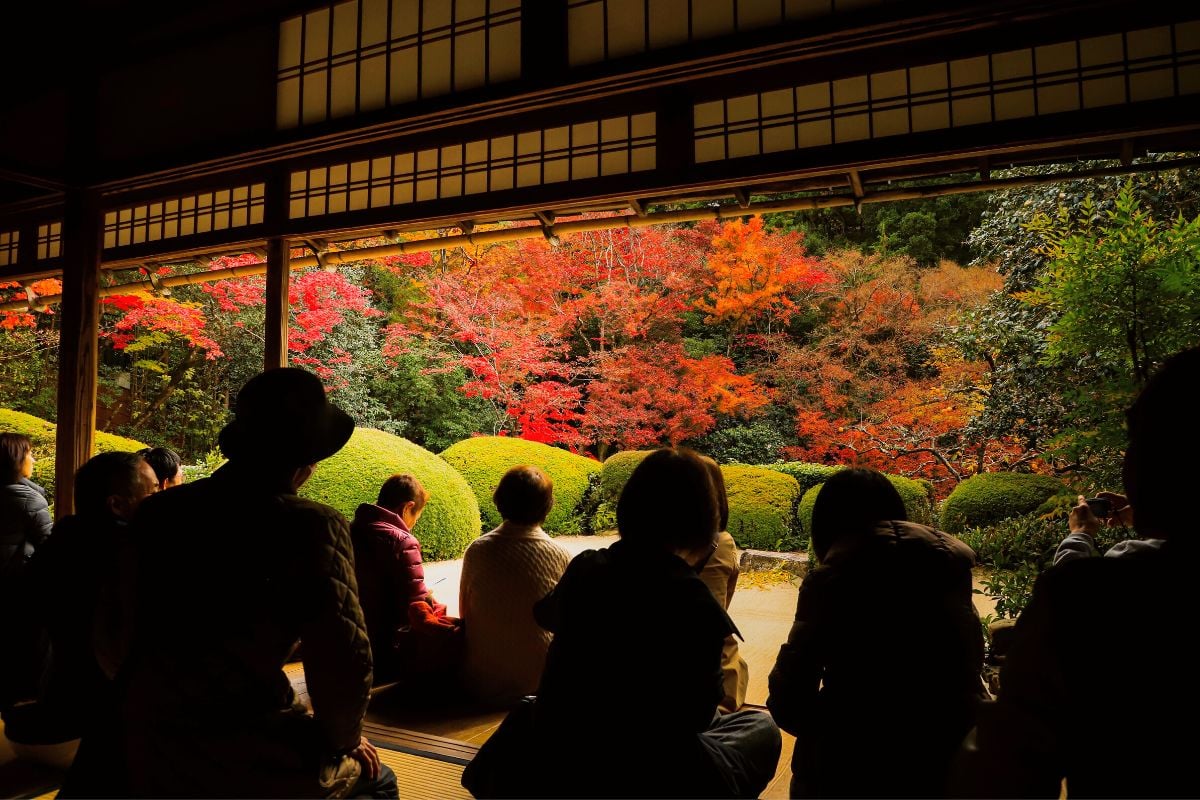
[[155, 623]]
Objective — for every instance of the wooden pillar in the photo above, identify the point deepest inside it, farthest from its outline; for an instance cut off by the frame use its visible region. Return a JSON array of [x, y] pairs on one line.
[[275, 353], [78, 346]]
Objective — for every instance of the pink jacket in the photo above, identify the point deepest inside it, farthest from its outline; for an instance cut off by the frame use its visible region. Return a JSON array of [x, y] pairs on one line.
[[389, 571]]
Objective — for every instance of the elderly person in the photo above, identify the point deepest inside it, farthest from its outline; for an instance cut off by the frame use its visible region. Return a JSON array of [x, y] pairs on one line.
[[504, 573], [231, 572], [879, 678]]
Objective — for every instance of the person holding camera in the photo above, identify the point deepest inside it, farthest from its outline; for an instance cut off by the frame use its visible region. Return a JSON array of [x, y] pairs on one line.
[[1086, 519]]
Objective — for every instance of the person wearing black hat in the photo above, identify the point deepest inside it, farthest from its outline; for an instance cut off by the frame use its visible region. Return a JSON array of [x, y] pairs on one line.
[[230, 573]]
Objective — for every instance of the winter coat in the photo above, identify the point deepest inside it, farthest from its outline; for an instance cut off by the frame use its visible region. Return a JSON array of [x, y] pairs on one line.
[[388, 567], [880, 677], [632, 677], [24, 524], [229, 574]]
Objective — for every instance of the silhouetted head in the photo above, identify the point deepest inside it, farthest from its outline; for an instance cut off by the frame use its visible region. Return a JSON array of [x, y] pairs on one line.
[[282, 419], [718, 480], [404, 496], [16, 457], [669, 503], [113, 484], [167, 465], [1164, 434], [851, 502], [524, 495]]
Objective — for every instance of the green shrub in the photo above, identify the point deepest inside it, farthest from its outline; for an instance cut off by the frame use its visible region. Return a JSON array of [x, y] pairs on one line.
[[483, 460], [807, 475], [616, 471], [917, 497], [992, 496], [762, 507], [1016, 541], [355, 473], [42, 433]]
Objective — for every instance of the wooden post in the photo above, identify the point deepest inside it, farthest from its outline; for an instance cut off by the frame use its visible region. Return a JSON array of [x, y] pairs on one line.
[[78, 346], [275, 353]]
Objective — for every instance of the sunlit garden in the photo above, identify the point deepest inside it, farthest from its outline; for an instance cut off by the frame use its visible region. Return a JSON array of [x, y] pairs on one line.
[[978, 349]]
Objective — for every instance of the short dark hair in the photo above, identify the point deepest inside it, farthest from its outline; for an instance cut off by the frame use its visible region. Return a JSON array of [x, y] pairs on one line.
[[718, 479], [13, 449], [524, 495], [165, 462], [851, 502], [1163, 425], [400, 489], [103, 476], [669, 501]]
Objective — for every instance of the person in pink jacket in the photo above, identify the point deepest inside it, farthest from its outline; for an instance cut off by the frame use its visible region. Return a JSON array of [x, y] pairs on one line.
[[391, 576]]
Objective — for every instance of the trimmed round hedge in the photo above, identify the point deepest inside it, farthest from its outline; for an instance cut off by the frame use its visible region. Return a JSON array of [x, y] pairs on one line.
[[762, 507], [616, 471], [917, 497], [992, 496], [353, 476], [42, 434], [806, 474], [483, 460]]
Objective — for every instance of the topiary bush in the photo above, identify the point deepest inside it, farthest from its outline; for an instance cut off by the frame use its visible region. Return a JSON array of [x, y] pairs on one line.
[[42, 434], [483, 460], [807, 475], [917, 497], [762, 507], [353, 476], [992, 496], [613, 474]]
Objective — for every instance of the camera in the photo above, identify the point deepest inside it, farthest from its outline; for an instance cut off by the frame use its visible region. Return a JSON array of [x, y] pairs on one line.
[[1101, 507]]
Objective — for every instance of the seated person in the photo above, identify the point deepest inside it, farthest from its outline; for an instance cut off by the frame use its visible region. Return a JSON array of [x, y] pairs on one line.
[[1097, 688], [504, 573], [24, 524], [70, 574], [627, 706], [230, 572], [720, 575], [391, 577], [167, 465], [879, 680]]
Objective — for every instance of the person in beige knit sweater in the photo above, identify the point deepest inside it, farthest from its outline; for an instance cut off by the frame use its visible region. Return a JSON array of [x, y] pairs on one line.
[[504, 573], [720, 575]]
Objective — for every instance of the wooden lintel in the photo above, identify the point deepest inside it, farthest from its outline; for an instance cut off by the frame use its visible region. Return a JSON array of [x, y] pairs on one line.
[[742, 197], [275, 326]]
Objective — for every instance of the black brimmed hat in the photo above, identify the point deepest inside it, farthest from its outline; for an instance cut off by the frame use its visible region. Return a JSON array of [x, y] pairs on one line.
[[282, 416]]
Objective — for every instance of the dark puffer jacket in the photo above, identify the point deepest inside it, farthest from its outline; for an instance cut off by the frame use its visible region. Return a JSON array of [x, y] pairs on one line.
[[24, 524], [390, 573], [879, 678], [230, 574]]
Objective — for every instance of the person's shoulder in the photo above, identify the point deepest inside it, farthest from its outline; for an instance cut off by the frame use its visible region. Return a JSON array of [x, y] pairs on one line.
[[916, 537]]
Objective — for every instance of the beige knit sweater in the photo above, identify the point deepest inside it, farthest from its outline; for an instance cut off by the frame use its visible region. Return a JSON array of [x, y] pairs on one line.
[[504, 573]]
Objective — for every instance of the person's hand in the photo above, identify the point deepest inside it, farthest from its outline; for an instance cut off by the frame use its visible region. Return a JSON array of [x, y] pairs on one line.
[[1082, 520], [366, 755], [1122, 512]]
